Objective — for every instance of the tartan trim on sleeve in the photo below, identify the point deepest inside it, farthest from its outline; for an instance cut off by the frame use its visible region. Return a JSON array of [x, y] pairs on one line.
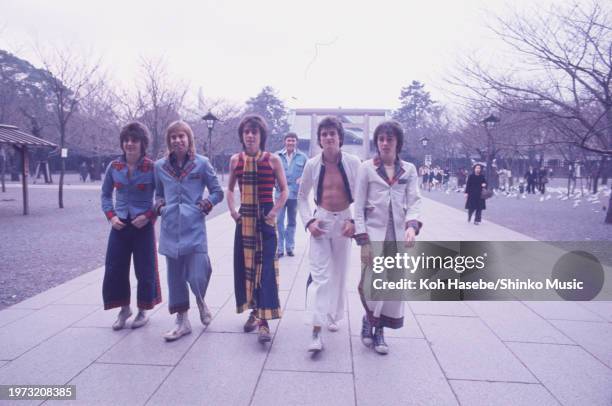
[[206, 206], [417, 225], [362, 238], [150, 214], [158, 205]]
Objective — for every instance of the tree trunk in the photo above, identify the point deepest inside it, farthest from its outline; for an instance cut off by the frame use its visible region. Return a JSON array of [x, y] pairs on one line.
[[609, 122], [156, 142], [601, 168], [3, 156], [61, 183], [62, 167], [97, 168]]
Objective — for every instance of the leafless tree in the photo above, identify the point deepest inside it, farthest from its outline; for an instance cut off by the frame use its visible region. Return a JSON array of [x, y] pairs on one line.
[[158, 101], [73, 77], [561, 67], [96, 125]]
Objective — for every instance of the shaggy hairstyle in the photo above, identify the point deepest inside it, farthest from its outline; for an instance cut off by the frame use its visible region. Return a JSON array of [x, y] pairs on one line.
[[178, 126], [390, 127], [474, 167], [331, 122], [291, 135], [251, 122], [136, 131]]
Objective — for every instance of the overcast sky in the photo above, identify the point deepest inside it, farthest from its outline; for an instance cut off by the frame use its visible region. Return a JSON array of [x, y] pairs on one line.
[[367, 52]]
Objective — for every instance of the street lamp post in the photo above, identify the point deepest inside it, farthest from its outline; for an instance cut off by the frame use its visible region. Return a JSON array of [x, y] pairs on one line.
[[489, 122], [427, 158], [210, 120]]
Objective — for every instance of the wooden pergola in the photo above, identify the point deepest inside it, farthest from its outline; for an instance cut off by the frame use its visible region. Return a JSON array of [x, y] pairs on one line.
[[21, 141]]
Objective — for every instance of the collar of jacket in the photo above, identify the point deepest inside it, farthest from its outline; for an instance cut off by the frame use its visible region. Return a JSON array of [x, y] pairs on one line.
[[347, 187], [283, 152], [380, 169], [143, 164], [172, 168]]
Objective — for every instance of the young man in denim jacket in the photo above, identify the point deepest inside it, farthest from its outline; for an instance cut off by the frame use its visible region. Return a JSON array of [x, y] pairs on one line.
[[293, 162], [180, 179]]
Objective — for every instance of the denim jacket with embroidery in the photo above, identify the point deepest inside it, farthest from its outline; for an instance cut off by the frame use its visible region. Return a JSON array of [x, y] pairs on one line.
[[179, 199], [133, 193]]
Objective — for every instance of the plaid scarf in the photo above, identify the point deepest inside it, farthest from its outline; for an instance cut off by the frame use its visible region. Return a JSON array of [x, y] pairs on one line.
[[251, 239]]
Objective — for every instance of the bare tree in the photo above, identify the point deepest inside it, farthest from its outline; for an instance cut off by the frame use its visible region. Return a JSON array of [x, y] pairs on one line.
[[73, 77], [562, 66], [158, 101], [96, 125]]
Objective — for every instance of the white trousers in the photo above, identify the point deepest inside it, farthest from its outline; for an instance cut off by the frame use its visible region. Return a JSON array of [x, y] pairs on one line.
[[329, 262]]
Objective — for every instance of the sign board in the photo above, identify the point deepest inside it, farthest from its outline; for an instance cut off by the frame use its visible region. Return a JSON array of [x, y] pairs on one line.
[[64, 153]]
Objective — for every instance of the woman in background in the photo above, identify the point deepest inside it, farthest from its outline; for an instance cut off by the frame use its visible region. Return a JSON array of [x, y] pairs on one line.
[[473, 189]]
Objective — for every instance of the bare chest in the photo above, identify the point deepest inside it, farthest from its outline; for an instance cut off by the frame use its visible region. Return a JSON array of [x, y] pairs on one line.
[[334, 196]]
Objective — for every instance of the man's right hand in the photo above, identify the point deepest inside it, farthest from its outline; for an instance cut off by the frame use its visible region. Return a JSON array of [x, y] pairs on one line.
[[116, 223], [314, 229], [366, 254]]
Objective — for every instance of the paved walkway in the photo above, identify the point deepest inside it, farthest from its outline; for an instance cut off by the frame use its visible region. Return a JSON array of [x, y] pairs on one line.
[[448, 353]]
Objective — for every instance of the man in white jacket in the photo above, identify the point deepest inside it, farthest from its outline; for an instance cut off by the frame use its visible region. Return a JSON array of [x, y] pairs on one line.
[[332, 175], [387, 209]]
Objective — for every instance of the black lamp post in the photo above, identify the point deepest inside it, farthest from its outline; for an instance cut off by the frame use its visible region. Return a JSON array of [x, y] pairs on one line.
[[424, 143], [210, 123], [489, 123]]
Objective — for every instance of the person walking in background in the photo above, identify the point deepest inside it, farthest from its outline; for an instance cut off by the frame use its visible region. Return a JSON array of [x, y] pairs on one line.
[[425, 176], [542, 179], [293, 162], [474, 202], [431, 178], [132, 234], [181, 178], [332, 174], [387, 208], [439, 177], [92, 172], [446, 178], [83, 171], [531, 178], [461, 178], [503, 180], [256, 273]]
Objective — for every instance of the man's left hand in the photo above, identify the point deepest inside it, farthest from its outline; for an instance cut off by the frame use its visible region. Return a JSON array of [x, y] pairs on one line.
[[410, 237], [349, 229], [140, 221]]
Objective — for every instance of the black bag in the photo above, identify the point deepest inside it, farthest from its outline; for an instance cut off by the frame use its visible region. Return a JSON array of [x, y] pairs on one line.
[[485, 194]]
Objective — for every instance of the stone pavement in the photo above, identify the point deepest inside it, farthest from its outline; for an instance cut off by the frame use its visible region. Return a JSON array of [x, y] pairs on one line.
[[448, 353]]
